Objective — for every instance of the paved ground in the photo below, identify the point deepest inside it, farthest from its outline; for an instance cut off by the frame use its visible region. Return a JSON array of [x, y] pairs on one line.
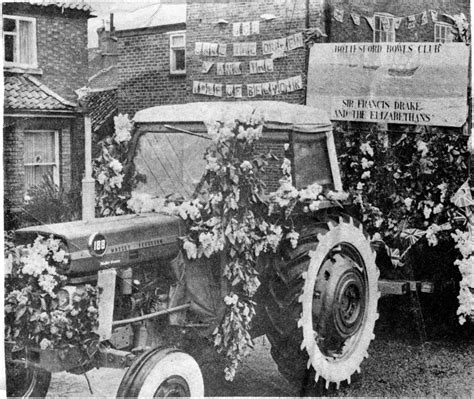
[[399, 365]]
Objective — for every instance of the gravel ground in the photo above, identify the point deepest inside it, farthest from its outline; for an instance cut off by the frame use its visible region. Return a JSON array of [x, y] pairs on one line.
[[400, 364]]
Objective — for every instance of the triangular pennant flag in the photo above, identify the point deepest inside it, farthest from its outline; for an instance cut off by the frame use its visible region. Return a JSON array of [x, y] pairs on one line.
[[206, 66], [355, 18], [370, 21], [397, 22], [463, 197], [385, 24], [434, 15], [424, 18], [338, 14], [411, 21]]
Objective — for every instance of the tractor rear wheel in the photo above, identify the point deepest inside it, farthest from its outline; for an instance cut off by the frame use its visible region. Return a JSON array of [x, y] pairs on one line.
[[323, 305]]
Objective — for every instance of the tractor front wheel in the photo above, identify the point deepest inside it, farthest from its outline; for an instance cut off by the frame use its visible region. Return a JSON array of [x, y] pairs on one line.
[[324, 305], [162, 373]]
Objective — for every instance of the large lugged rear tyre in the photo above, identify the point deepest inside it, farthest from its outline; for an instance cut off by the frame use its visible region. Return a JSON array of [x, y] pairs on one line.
[[324, 305]]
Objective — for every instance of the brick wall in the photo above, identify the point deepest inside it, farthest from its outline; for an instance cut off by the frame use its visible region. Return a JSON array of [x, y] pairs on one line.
[[144, 62], [349, 32], [201, 26], [61, 46]]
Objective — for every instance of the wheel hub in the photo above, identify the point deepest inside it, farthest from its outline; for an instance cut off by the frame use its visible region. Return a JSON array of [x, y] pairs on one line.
[[173, 387], [339, 303]]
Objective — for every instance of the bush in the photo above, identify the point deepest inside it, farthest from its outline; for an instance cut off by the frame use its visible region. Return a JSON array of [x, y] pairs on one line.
[[47, 203]]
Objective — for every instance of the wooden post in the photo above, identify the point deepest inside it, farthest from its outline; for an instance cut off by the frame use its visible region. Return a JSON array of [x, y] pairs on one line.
[[88, 183]]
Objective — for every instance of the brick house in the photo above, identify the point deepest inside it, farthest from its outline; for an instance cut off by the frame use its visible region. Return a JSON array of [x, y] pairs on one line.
[[45, 61], [151, 48]]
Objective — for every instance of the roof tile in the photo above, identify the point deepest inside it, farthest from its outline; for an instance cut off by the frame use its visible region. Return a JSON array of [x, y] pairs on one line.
[[24, 92]]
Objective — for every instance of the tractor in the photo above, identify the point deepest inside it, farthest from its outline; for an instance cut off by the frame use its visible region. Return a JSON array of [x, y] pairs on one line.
[[317, 303]]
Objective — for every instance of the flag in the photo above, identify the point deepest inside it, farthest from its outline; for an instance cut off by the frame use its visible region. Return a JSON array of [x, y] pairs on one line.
[[370, 21], [218, 90], [463, 197], [355, 18], [424, 18], [213, 49], [222, 50], [198, 48], [255, 28], [434, 15], [412, 235], [397, 22], [206, 66], [236, 29], [268, 65], [253, 66], [250, 90], [338, 15], [245, 28], [220, 68], [238, 91], [385, 24], [411, 21]]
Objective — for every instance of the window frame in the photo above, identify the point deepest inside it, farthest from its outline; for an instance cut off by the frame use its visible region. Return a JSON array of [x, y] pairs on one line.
[[173, 70], [447, 31], [55, 164], [380, 31], [34, 54]]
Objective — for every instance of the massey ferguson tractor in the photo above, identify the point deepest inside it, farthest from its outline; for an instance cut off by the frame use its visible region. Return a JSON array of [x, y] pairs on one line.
[[317, 303]]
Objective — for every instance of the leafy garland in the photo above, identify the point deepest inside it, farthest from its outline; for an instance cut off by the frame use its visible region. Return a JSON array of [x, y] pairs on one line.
[[403, 183], [34, 314]]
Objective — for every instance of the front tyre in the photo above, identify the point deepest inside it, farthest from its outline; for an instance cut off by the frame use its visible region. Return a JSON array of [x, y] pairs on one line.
[[325, 305], [26, 382], [162, 373]]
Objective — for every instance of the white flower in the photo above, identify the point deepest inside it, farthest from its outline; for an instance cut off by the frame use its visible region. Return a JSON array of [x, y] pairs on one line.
[[274, 237], [123, 126], [408, 201], [286, 166], [438, 208], [422, 147], [286, 146], [102, 178], [431, 234], [116, 166], [314, 206], [293, 236], [47, 282], [365, 175], [212, 164], [360, 186], [116, 181], [367, 149], [59, 256], [311, 192], [231, 300], [191, 249], [365, 163], [45, 343], [246, 166], [427, 212]]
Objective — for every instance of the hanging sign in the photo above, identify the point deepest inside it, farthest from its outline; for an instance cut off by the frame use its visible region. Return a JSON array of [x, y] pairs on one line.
[[210, 49], [245, 28], [229, 68], [406, 83], [280, 45], [245, 49], [261, 66]]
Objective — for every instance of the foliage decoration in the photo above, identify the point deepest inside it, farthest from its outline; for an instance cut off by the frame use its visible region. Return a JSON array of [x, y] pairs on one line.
[[113, 173], [403, 182], [35, 316]]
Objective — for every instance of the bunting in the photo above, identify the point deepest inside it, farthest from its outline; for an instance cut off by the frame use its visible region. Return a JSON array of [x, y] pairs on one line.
[[370, 21], [338, 14], [355, 18], [424, 18]]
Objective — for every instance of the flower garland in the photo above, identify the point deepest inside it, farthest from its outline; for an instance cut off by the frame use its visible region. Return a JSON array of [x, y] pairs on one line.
[[113, 174], [237, 222], [403, 184], [34, 314]]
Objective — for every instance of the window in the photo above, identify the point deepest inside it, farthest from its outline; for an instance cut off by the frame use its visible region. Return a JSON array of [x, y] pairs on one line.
[[443, 33], [384, 28], [177, 53], [19, 40], [41, 156]]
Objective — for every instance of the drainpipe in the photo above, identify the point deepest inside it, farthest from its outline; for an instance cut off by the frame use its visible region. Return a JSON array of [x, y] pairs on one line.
[[88, 183]]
